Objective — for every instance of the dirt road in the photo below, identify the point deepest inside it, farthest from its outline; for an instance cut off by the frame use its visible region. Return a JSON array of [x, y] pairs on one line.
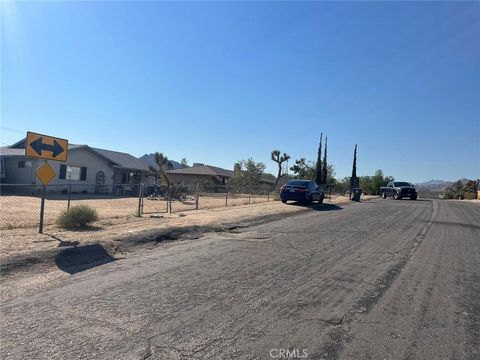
[[383, 280]]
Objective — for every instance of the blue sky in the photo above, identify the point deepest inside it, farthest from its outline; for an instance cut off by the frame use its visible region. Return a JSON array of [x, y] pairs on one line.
[[218, 82]]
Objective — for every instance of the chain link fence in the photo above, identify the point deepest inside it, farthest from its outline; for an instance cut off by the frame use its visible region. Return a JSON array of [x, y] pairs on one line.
[[20, 204], [203, 196]]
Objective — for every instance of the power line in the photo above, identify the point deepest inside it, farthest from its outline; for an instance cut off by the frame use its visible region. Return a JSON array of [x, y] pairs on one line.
[[5, 128]]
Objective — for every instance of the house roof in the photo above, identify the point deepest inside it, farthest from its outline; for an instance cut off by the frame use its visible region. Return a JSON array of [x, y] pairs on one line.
[[268, 179], [206, 170], [116, 158], [7, 151], [121, 159]]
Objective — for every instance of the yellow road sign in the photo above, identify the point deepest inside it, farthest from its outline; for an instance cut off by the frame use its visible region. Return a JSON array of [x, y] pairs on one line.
[[46, 147], [45, 173]]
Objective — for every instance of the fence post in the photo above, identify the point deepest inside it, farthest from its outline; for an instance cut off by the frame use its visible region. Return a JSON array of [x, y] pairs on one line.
[[249, 192], [268, 196], [197, 195], [42, 210], [226, 195], [140, 195], [169, 199], [69, 197]]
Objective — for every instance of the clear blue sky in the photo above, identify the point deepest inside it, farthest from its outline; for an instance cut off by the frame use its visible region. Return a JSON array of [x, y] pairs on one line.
[[218, 82]]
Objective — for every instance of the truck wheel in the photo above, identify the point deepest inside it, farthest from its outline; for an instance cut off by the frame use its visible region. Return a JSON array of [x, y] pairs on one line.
[[397, 197], [320, 200], [310, 199], [384, 196], [413, 197], [284, 201]]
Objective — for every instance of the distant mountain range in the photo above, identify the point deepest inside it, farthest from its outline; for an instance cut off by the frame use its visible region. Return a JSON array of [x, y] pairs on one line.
[[436, 185], [150, 160]]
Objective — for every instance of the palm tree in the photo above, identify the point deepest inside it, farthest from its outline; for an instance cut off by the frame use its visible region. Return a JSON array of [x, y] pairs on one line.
[[279, 160], [163, 164]]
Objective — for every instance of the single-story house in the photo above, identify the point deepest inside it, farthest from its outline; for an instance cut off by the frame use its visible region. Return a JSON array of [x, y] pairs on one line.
[[209, 174], [268, 179], [87, 169], [200, 174]]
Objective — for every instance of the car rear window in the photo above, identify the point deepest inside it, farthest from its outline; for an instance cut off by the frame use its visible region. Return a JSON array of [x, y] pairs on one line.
[[298, 183]]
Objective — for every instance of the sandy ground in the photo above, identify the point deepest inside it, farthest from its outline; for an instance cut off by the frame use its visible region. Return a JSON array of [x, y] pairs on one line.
[[14, 241]]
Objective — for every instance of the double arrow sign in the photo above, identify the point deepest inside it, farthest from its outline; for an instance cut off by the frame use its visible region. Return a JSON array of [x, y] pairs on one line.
[[46, 147], [39, 146]]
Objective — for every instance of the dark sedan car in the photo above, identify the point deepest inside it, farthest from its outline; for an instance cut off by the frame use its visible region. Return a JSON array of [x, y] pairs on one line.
[[301, 190]]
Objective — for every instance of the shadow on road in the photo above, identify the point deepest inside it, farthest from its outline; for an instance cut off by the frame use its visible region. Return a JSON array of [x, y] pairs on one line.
[[318, 207], [77, 259]]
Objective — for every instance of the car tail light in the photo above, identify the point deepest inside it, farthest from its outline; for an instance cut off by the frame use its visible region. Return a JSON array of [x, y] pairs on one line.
[[282, 188]]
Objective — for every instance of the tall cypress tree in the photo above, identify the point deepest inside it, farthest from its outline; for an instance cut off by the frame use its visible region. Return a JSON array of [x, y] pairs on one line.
[[354, 169], [318, 167], [324, 164]]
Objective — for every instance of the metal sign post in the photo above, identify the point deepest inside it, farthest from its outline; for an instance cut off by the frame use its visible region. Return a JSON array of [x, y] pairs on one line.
[[226, 195], [45, 174], [197, 194], [140, 200], [42, 209]]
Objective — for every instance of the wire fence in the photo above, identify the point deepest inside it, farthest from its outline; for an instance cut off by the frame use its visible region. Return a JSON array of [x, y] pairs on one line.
[[20, 204]]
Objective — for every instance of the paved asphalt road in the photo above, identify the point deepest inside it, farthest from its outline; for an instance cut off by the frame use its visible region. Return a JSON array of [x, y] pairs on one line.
[[380, 280]]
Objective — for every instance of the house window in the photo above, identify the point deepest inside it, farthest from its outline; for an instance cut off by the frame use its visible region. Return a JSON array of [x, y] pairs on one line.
[[127, 177], [22, 164], [73, 173]]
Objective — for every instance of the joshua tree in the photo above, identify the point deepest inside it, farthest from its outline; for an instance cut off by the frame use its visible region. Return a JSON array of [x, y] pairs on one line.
[[279, 160], [318, 167], [163, 164]]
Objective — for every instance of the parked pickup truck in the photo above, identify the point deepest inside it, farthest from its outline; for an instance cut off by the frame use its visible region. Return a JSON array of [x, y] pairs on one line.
[[399, 190]]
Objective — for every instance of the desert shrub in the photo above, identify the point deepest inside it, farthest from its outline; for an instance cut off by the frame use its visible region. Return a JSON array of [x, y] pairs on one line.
[[469, 195], [77, 217]]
